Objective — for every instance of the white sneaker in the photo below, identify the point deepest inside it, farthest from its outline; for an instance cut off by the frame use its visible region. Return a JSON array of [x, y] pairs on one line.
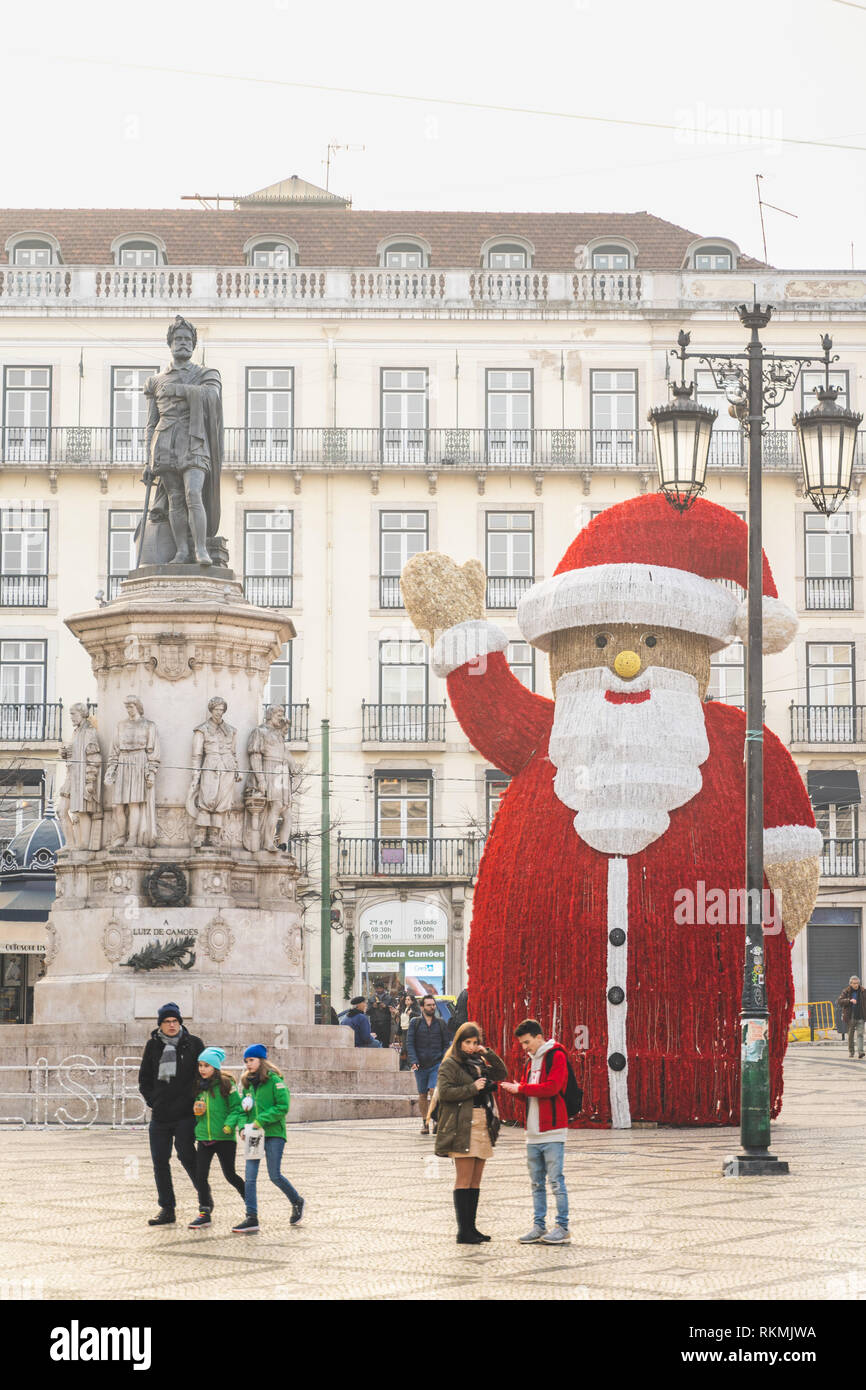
[[556, 1237], [536, 1234]]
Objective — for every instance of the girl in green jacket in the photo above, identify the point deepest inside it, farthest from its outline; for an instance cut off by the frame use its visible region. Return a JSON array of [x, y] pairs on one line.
[[217, 1109], [264, 1099]]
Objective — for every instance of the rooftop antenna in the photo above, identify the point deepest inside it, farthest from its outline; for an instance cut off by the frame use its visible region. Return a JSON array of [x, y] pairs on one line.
[[762, 205], [332, 150]]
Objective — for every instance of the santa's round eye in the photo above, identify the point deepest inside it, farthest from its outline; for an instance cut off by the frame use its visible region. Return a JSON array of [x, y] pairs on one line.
[[650, 641], [601, 640]]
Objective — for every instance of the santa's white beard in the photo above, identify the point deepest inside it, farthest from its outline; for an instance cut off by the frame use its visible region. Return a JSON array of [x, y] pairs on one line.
[[624, 767]]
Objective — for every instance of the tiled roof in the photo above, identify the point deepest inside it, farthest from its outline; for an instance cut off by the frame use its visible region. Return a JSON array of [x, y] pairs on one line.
[[347, 237]]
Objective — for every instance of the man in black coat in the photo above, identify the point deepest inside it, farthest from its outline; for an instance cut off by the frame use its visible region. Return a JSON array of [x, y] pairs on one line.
[[168, 1078], [381, 1009]]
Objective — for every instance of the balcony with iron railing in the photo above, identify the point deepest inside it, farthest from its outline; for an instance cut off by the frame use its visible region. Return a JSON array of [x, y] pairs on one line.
[[829, 594], [31, 723], [827, 723], [506, 590], [407, 857], [299, 848], [23, 591], [341, 448], [389, 591], [268, 590], [403, 723], [843, 859]]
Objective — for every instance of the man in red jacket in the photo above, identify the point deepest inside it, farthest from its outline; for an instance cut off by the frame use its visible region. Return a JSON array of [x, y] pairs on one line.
[[545, 1076]]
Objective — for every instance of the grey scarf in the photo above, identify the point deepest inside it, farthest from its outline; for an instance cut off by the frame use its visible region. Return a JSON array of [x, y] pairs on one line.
[[168, 1060]]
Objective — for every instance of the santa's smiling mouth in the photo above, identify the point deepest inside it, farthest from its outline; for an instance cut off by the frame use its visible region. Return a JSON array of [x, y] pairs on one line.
[[627, 697]]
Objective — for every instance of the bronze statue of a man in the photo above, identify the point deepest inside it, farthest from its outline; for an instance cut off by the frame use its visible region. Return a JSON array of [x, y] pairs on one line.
[[184, 450]]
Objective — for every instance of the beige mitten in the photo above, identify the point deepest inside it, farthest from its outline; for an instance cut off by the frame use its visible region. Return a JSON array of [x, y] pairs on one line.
[[438, 593]]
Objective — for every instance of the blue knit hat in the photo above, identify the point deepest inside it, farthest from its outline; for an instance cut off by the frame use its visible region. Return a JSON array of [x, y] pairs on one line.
[[169, 1011], [213, 1056], [257, 1050]]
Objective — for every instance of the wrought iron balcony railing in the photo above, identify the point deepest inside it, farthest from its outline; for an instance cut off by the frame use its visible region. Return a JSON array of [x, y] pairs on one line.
[[31, 723], [24, 590], [299, 848], [342, 448], [268, 590], [844, 858], [407, 857], [506, 591], [830, 593], [389, 591], [827, 723], [403, 723]]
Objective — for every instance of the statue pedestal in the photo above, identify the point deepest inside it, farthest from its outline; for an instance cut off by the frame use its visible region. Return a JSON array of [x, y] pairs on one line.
[[218, 930]]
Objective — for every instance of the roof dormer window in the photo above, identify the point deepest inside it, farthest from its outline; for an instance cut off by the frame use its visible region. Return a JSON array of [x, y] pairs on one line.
[[611, 257], [713, 258], [404, 255], [506, 255], [271, 255], [33, 253], [138, 253]]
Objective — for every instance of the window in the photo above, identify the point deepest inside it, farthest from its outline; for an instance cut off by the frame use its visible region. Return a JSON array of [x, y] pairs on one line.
[[611, 258], [121, 547], [521, 660], [22, 692], [268, 553], [839, 825], [23, 557], [404, 255], [129, 409], [726, 441], [829, 573], [402, 673], [613, 416], [404, 818], [278, 690], [830, 692], [138, 253], [507, 257], [33, 253], [713, 258], [22, 800], [509, 416], [270, 406], [26, 414], [273, 255], [510, 557], [401, 535], [728, 675], [404, 415], [810, 378], [496, 785]]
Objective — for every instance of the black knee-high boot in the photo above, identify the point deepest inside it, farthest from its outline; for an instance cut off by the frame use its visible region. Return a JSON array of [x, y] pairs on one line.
[[466, 1235], [474, 1194]]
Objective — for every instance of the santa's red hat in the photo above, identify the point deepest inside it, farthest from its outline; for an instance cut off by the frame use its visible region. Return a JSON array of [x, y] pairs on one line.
[[644, 562]]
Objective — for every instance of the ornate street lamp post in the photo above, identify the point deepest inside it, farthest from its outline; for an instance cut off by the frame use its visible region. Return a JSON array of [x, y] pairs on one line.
[[827, 436]]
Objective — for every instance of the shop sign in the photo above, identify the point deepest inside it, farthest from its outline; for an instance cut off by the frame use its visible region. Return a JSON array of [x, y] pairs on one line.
[[413, 923]]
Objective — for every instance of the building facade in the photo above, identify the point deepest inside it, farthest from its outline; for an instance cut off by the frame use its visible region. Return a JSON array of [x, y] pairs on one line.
[[395, 382]]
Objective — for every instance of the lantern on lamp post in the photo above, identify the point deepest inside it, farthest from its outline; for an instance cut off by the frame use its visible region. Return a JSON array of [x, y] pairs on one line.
[[827, 436], [682, 431]]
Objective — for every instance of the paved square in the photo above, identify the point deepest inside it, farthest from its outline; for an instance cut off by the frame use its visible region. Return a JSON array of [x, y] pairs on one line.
[[651, 1216]]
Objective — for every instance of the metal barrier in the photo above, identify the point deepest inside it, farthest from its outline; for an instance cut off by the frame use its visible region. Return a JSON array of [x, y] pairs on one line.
[[96, 1094], [811, 1021]]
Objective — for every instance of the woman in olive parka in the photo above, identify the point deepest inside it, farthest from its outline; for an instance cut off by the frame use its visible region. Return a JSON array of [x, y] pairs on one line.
[[468, 1121]]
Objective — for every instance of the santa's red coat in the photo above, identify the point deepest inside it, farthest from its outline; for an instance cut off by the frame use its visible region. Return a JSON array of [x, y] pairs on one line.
[[539, 940]]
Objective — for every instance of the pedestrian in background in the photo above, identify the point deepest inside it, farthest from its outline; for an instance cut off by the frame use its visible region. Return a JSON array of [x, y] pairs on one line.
[[168, 1080], [467, 1120], [217, 1110], [265, 1105], [426, 1044], [381, 1011], [545, 1077], [461, 1012], [851, 1003], [357, 1020]]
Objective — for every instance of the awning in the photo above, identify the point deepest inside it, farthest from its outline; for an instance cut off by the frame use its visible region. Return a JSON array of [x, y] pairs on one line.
[[26, 902], [834, 787]]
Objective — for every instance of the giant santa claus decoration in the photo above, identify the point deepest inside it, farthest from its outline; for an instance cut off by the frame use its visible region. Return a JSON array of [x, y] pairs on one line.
[[609, 902]]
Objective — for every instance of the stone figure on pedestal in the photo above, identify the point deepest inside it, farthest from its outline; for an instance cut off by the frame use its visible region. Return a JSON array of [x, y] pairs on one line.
[[79, 802], [184, 455], [131, 772], [272, 766], [215, 771]]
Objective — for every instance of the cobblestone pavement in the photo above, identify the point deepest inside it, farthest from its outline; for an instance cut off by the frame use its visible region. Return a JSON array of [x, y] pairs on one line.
[[651, 1215]]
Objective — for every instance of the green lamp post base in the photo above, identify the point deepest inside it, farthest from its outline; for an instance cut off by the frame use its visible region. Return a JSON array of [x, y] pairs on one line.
[[754, 1165]]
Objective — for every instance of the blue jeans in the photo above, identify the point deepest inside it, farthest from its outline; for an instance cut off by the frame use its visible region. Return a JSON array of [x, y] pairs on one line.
[[273, 1158], [545, 1165]]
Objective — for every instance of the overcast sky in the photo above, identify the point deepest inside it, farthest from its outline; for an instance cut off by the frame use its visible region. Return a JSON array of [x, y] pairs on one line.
[[86, 129]]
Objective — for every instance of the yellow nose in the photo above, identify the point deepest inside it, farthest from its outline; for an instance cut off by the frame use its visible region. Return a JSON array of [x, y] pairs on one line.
[[627, 664]]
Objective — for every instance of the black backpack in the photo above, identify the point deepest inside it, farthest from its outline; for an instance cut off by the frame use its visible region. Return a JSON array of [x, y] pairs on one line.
[[572, 1095]]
